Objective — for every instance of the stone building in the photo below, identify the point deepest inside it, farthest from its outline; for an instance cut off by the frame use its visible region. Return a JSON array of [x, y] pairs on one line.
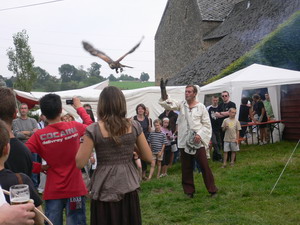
[[179, 38], [197, 39]]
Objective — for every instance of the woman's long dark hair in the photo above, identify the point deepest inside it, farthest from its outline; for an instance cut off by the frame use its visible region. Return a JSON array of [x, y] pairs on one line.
[[90, 112], [112, 111]]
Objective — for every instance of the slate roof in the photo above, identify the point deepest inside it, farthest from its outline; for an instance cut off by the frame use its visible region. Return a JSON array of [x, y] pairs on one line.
[[215, 10], [243, 28]]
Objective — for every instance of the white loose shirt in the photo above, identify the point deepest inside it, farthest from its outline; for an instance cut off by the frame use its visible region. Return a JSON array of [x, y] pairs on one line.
[[198, 120]]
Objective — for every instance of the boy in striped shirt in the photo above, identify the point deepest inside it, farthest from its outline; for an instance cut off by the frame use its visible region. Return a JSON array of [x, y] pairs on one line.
[[157, 141]]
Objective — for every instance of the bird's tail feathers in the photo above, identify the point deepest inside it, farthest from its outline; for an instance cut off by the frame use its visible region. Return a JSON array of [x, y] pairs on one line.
[[126, 66]]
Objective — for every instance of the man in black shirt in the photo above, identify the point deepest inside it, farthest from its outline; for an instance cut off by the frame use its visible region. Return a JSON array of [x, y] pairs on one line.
[[244, 115], [260, 115], [223, 111], [8, 178], [19, 160]]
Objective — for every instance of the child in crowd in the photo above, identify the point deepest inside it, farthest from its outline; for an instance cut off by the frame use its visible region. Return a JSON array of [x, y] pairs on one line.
[[232, 128], [157, 141], [138, 162], [67, 118], [8, 178], [167, 153]]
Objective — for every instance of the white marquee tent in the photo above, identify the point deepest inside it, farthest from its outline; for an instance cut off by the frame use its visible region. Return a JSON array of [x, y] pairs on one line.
[[253, 77], [148, 96]]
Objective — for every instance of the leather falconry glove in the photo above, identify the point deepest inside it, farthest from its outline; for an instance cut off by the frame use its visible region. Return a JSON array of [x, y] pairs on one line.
[[163, 90]]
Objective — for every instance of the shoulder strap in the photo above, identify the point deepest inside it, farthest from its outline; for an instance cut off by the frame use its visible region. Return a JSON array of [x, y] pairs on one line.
[[134, 128], [186, 117], [19, 177]]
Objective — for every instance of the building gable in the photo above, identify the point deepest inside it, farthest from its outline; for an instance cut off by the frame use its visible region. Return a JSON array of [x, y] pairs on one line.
[[244, 27]]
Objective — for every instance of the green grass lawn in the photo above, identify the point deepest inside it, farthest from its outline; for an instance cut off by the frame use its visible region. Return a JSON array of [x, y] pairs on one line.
[[127, 85], [244, 191]]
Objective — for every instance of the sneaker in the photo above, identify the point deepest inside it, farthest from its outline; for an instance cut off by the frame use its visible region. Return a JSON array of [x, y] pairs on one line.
[[162, 175], [223, 166]]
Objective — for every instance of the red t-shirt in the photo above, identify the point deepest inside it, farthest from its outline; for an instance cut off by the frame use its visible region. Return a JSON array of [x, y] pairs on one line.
[[58, 144]]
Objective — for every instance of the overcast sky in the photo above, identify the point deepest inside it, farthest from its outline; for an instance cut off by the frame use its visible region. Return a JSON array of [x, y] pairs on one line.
[[56, 30]]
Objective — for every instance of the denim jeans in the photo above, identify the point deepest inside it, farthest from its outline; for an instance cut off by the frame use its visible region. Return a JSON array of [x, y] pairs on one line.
[[75, 210], [34, 176], [217, 144]]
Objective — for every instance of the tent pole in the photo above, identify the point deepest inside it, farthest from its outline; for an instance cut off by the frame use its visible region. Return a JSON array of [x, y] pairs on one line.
[[284, 167]]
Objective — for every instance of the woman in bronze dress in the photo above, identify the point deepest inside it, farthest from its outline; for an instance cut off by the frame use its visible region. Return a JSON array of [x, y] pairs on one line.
[[115, 183]]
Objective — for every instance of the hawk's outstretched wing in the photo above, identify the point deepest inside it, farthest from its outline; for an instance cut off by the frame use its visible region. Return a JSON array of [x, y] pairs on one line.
[[88, 47], [131, 51]]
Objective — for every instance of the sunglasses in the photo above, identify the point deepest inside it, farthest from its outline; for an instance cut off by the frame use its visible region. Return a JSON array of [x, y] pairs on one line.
[[224, 95]]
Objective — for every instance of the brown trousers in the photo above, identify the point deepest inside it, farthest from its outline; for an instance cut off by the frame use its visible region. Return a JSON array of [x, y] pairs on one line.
[[187, 169]]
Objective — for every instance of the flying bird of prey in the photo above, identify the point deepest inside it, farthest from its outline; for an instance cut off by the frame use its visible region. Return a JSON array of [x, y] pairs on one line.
[[115, 65]]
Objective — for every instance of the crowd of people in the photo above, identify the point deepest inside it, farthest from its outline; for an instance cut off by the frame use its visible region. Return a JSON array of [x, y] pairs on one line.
[[105, 160]]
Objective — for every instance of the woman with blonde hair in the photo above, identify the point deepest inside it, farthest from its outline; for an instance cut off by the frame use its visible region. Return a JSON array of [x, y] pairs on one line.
[[115, 183]]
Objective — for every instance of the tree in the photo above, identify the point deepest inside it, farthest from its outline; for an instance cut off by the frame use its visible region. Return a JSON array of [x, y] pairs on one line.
[[126, 77], [92, 80], [144, 76], [53, 84], [94, 70], [66, 72], [80, 75], [112, 78], [42, 77], [94, 74], [21, 62], [46, 82]]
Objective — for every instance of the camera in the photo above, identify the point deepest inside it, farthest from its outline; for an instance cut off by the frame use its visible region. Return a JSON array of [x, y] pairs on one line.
[[69, 101]]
